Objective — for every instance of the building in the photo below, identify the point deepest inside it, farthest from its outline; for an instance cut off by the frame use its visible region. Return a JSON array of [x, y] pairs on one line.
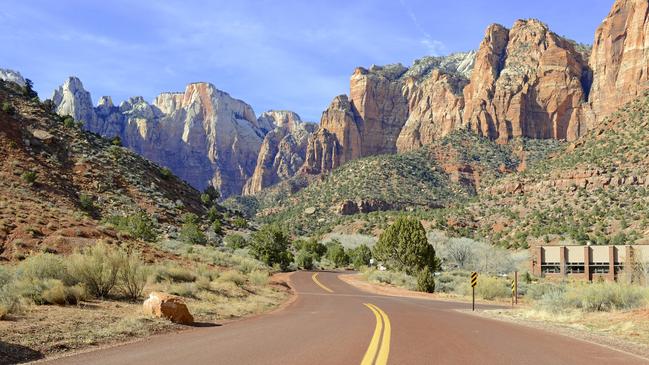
[[587, 262]]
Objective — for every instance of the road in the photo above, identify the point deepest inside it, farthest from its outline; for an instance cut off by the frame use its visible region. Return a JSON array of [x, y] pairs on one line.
[[331, 322]]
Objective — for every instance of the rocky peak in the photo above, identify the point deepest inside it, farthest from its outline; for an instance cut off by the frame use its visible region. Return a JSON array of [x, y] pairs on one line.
[[105, 102], [73, 100], [12, 76], [620, 57], [169, 102], [283, 119]]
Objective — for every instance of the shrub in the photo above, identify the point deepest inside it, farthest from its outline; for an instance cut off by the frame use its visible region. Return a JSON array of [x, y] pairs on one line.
[[490, 288], [175, 274], [165, 173], [270, 245], [116, 141], [190, 232], [8, 108], [336, 254], [217, 227], [42, 267], [206, 199], [138, 225], [59, 294], [394, 278], [304, 259], [29, 177], [311, 246], [258, 278], [235, 241], [213, 214], [86, 203], [593, 297], [187, 290], [426, 281], [240, 222], [68, 122], [133, 276], [404, 247], [97, 267], [233, 276], [360, 256]]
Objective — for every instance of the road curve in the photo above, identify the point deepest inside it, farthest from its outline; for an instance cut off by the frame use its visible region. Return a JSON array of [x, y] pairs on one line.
[[331, 322]]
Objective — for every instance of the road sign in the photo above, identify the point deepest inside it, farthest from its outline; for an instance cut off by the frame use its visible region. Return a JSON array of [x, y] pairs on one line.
[[474, 282]]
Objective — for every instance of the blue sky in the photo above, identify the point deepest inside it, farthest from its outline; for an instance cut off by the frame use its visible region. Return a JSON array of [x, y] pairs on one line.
[[273, 54]]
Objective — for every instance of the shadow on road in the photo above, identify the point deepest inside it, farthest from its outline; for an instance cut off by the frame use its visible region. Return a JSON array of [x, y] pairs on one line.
[[11, 353], [205, 324]]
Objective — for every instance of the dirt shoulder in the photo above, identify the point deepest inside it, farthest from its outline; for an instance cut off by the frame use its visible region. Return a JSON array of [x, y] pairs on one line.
[[49, 331]]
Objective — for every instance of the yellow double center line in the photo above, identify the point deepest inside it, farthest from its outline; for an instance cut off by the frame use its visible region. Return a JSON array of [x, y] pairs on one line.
[[379, 350], [315, 280]]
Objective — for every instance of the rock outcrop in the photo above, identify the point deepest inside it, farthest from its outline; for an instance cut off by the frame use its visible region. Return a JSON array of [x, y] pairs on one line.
[[203, 135], [620, 57], [282, 151], [12, 76], [527, 82], [171, 307]]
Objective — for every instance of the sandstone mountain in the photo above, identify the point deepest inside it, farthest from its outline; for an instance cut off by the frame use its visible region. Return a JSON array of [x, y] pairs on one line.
[[204, 135]]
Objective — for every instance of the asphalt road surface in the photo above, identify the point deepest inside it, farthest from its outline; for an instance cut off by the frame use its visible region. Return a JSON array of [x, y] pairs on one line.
[[331, 322]]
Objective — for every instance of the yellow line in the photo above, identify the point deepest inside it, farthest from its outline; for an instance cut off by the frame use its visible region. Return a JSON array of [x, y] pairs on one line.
[[384, 352], [370, 354], [315, 280]]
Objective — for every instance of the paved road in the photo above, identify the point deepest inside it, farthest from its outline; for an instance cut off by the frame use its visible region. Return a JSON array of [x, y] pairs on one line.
[[332, 322]]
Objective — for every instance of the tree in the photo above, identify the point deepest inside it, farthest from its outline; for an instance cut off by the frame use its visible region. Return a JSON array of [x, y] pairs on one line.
[[29, 89], [304, 260], [336, 254], [190, 232], [212, 193], [361, 256], [311, 246], [404, 247], [426, 281], [460, 251], [270, 245]]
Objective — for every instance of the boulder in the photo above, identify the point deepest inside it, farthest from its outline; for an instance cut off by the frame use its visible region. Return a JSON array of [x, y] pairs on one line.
[[171, 307]]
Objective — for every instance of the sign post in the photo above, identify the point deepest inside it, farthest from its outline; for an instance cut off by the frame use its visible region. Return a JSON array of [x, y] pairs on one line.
[[474, 282], [515, 289]]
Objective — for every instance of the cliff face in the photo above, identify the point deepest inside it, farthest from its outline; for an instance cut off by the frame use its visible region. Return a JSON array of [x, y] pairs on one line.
[[282, 151], [203, 135], [527, 82], [620, 57]]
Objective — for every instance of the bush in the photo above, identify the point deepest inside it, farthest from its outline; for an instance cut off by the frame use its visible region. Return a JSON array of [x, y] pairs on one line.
[[190, 232], [595, 297], [8, 108], [490, 288], [116, 141], [68, 122], [97, 268], [86, 203], [133, 276], [235, 241], [240, 222], [29, 177], [217, 227], [138, 225], [233, 276], [399, 279], [404, 247], [336, 254], [426, 281], [59, 294], [175, 274], [42, 267], [213, 214], [270, 245], [304, 259], [311, 246], [258, 278], [360, 256], [165, 173]]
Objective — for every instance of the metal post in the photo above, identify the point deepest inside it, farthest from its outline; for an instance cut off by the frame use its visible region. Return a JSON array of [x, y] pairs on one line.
[[516, 287], [473, 301]]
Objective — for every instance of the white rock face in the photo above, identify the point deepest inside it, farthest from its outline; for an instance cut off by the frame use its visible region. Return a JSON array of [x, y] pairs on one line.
[[203, 134], [11, 75]]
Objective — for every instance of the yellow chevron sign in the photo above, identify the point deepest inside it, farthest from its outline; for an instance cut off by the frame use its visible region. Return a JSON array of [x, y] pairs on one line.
[[474, 279]]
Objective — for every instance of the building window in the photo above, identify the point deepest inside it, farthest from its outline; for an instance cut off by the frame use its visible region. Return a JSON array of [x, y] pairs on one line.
[[600, 268], [618, 268], [575, 268], [551, 268]]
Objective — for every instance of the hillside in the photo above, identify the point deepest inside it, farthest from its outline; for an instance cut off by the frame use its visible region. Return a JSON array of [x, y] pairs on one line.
[[445, 174], [58, 183]]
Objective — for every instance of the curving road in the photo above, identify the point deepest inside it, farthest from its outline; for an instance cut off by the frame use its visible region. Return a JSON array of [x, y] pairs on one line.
[[331, 322]]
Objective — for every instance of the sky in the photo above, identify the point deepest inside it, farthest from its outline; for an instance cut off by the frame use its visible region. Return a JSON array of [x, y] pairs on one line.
[[273, 54]]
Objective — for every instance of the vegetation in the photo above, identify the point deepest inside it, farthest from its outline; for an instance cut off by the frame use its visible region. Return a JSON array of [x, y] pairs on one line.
[[138, 225], [8, 108], [235, 241], [190, 231], [336, 254], [426, 281], [404, 247], [271, 245], [29, 177]]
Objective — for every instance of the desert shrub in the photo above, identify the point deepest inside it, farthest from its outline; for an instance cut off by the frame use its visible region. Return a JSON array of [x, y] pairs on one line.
[[42, 267], [190, 231], [537, 291], [138, 225], [86, 203], [116, 141], [213, 214], [133, 276], [595, 297], [8, 108], [240, 222], [270, 245], [187, 290], [29, 177], [258, 277], [56, 292], [304, 259], [217, 227], [165, 173], [399, 279], [426, 281], [175, 274], [360, 256], [336, 254], [97, 267], [404, 247], [206, 199], [235, 241], [68, 122], [490, 288], [233, 276], [311, 246]]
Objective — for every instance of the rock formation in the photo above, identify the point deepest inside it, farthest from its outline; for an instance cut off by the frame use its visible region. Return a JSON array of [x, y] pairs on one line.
[[527, 82], [282, 151], [171, 307], [12, 76], [620, 57]]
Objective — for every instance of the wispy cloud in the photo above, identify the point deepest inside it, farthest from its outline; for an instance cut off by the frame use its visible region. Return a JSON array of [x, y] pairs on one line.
[[434, 46]]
